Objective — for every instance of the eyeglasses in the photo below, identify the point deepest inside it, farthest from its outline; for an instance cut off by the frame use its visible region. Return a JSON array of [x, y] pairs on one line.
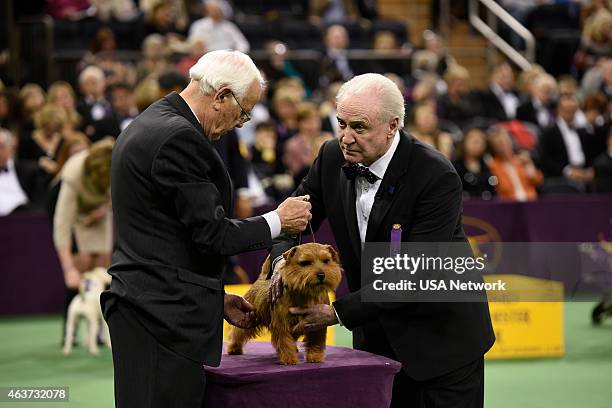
[[244, 115]]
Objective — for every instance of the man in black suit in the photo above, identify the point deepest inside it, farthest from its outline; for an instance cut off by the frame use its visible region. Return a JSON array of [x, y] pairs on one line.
[[441, 345], [22, 183], [172, 196], [499, 101], [124, 110], [564, 151]]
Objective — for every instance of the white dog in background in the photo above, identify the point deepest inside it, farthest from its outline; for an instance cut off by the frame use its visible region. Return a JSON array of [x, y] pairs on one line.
[[87, 305]]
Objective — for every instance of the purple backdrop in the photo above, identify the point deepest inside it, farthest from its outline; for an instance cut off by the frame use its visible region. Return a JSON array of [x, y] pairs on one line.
[[31, 279]]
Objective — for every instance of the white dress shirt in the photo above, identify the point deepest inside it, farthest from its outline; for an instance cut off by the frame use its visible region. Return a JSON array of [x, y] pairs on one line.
[[575, 154], [508, 100], [365, 193], [223, 35], [11, 193]]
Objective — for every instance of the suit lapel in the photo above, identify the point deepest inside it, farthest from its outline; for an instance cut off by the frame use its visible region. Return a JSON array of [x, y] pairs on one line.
[[389, 187], [350, 213]]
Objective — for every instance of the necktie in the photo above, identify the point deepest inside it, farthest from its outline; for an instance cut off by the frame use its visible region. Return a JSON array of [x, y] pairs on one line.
[[352, 170]]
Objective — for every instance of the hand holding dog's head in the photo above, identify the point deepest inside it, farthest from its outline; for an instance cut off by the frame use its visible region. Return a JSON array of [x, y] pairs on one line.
[[310, 267]]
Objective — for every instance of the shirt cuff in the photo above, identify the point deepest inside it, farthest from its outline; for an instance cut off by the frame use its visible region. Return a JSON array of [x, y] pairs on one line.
[[274, 223], [337, 317]]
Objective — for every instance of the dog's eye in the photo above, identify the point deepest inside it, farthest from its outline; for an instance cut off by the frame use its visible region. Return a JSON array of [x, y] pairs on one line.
[[326, 261], [305, 263]]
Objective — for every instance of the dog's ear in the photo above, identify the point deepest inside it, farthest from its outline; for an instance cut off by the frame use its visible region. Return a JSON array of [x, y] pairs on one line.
[[334, 254], [289, 254]]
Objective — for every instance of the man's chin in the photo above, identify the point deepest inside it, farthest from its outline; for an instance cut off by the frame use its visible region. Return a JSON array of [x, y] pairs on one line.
[[351, 157]]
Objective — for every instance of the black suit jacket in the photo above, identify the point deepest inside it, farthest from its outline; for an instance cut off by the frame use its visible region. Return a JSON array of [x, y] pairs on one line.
[[491, 107], [553, 154], [430, 339], [171, 197], [33, 181]]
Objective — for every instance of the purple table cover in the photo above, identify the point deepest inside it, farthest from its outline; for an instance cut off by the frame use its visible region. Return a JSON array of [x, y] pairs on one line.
[[348, 378]]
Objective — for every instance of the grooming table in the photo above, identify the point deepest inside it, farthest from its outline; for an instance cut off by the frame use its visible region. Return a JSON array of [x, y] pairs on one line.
[[348, 378]]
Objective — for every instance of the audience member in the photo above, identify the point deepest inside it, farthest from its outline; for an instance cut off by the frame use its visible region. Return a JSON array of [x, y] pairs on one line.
[[500, 101], [123, 113], [335, 65], [216, 31], [32, 98], [457, 104], [62, 95], [43, 144], [471, 167], [160, 19], [93, 106], [22, 183], [538, 109], [154, 52], [516, 177], [425, 128]]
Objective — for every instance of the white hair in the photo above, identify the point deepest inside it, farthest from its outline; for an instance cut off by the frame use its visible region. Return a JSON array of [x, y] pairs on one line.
[[220, 68], [388, 92], [91, 71], [543, 80]]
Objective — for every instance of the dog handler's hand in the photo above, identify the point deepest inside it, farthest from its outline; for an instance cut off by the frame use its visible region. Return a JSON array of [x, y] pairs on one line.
[[294, 214], [238, 312], [316, 317], [276, 283]]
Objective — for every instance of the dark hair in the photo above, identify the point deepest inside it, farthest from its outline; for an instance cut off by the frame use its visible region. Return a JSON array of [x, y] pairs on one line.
[[120, 85], [171, 80], [267, 125]]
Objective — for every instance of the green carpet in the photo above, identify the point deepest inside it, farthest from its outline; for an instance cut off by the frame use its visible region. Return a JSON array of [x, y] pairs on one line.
[[31, 356]]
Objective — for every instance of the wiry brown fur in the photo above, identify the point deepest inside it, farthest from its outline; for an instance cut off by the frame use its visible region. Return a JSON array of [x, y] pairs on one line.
[[301, 288]]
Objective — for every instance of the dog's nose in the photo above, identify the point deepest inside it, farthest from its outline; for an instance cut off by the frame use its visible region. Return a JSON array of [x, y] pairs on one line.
[[321, 276]]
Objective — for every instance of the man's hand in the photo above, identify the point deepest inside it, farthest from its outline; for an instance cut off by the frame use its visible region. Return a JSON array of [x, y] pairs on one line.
[[275, 291], [238, 312], [294, 214], [316, 317]]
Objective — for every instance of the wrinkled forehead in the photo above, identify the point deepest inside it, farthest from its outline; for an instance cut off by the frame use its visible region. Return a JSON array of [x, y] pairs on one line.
[[359, 105]]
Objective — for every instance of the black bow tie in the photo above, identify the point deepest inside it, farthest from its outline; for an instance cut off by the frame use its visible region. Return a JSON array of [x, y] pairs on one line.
[[352, 170]]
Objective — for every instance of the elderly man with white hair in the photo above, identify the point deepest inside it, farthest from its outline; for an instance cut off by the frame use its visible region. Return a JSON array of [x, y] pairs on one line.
[[373, 183], [172, 199]]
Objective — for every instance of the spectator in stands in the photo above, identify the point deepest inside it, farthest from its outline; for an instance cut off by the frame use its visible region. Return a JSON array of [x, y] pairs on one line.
[[102, 53], [500, 101], [425, 128], [45, 141], [277, 67], [335, 65], [457, 104], [160, 19], [471, 167], [73, 144], [598, 78], [123, 113], [563, 150], [385, 43], [596, 130], [424, 65], [602, 166], [119, 10], [218, 32], [538, 109], [300, 151], [69, 9], [22, 183], [154, 52], [171, 81], [83, 213], [516, 177], [527, 78], [327, 109], [285, 104], [32, 98], [596, 40], [333, 11], [178, 11], [433, 43], [93, 106], [62, 95], [197, 48]]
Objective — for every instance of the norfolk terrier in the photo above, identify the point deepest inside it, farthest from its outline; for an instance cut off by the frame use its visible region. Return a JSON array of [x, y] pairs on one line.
[[310, 271]]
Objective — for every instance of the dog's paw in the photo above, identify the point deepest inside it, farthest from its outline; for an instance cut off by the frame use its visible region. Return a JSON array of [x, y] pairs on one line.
[[288, 360], [318, 357], [234, 349]]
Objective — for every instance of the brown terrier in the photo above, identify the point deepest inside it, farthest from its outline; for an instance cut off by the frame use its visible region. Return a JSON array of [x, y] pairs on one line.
[[309, 273]]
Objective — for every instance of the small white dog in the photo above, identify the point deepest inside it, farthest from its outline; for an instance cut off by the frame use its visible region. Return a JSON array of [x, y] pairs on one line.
[[87, 304]]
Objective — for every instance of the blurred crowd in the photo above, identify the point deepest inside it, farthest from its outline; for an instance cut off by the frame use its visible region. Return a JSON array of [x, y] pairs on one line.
[[524, 135]]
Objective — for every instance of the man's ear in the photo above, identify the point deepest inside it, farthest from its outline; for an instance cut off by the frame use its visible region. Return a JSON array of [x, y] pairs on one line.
[[222, 95], [393, 126]]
